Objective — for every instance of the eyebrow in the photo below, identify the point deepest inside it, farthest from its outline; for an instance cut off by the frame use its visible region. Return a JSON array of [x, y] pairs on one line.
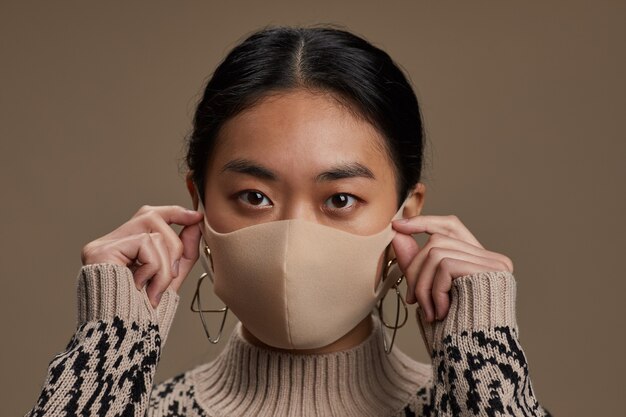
[[349, 170], [246, 166]]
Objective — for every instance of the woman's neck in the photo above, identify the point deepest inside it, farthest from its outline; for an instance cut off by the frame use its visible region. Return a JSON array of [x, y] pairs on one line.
[[245, 379], [351, 339]]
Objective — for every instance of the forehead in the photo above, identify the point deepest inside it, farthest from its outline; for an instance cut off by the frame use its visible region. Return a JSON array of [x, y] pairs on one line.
[[301, 130]]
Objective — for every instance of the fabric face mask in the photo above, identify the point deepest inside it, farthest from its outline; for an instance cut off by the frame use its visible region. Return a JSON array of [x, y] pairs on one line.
[[297, 284]]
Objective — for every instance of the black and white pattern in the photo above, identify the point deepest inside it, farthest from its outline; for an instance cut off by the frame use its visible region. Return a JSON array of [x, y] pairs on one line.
[[107, 369], [479, 373]]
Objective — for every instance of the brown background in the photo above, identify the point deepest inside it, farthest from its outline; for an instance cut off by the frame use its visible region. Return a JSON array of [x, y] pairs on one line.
[[524, 107]]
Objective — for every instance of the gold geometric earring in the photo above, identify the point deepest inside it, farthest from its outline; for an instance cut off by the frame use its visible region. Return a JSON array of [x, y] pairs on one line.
[[399, 301], [196, 302]]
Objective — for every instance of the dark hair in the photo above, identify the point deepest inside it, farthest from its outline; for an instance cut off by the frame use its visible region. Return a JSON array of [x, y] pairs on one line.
[[325, 59]]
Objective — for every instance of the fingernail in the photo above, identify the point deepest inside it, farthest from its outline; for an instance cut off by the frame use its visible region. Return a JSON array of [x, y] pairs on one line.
[[175, 267], [401, 220]]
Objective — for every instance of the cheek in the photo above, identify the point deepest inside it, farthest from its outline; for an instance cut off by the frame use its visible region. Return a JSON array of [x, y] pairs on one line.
[[382, 262], [382, 203], [219, 210], [377, 214], [379, 271]]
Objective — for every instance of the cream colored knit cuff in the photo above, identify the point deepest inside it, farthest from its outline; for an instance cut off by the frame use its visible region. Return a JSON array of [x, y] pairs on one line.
[[482, 300], [107, 290]]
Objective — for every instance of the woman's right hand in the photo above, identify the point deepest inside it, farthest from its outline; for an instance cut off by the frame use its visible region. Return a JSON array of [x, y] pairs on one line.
[[150, 248]]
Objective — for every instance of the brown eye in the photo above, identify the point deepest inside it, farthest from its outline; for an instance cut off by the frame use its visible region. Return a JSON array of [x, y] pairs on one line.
[[340, 201], [254, 198]]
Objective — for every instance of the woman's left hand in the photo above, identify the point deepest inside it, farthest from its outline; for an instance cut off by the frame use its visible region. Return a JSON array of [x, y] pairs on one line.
[[451, 251]]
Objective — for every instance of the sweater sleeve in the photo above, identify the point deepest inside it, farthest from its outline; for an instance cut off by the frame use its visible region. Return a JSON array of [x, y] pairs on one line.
[[108, 366], [479, 366]]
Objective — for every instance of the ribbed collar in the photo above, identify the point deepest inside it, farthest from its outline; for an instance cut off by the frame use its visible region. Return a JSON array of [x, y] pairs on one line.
[[246, 379]]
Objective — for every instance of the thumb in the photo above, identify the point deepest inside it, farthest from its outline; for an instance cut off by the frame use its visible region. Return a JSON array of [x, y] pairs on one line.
[[405, 248], [190, 236]]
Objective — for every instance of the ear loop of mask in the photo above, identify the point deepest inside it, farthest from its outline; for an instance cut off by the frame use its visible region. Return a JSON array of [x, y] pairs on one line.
[[207, 263]]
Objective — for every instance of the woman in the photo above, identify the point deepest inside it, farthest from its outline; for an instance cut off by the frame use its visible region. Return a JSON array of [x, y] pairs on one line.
[[307, 153]]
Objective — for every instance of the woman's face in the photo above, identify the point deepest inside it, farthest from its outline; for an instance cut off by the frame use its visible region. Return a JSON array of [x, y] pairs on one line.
[[300, 155]]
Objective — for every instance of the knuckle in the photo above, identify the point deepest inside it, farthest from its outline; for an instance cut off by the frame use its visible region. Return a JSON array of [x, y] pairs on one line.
[[146, 237], [86, 251], [151, 216], [508, 262], [436, 238], [436, 252], [144, 209], [87, 248], [438, 294], [432, 251], [422, 299], [90, 252], [454, 218], [445, 264]]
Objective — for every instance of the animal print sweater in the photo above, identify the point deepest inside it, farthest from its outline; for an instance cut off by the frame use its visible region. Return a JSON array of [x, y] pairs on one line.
[[478, 367]]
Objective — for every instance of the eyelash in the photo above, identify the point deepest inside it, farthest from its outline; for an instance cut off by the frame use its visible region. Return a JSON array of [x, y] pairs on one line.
[[240, 196]]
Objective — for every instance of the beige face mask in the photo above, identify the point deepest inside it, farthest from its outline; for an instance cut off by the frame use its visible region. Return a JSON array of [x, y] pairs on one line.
[[296, 284]]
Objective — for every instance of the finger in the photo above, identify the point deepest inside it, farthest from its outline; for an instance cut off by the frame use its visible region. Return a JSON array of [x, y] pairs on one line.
[[172, 214], [448, 270], [440, 293], [405, 247], [152, 221], [447, 225], [432, 264], [172, 243], [190, 236], [440, 241], [145, 254], [423, 269], [136, 252], [143, 219], [161, 280], [422, 294]]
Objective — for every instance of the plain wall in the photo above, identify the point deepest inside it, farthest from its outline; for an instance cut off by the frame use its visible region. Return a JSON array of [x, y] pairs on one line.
[[523, 104]]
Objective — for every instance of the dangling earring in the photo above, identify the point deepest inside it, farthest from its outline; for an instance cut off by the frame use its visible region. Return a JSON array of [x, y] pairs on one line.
[[196, 305], [399, 300]]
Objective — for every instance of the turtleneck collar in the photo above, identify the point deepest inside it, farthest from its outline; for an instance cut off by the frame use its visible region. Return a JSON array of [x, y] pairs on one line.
[[246, 379]]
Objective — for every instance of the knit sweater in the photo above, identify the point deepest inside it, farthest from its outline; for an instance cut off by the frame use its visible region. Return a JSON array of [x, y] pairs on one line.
[[478, 367]]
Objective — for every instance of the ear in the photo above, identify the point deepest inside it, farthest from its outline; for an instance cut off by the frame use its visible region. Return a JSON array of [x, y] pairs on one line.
[[414, 206], [192, 190]]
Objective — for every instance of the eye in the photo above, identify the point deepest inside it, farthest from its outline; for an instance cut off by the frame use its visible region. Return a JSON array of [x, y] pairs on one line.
[[340, 201], [254, 198]]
